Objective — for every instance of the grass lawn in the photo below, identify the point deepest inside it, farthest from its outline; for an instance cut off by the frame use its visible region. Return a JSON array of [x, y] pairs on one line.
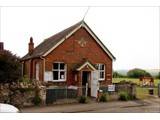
[[134, 80], [141, 92]]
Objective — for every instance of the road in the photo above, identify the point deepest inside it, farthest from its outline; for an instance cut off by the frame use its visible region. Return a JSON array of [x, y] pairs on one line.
[[138, 106]]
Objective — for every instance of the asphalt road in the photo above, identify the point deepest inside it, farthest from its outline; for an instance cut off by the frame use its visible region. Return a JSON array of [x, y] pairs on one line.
[[138, 106]]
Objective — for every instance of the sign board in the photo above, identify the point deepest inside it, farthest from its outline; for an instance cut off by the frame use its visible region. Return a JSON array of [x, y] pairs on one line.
[[72, 87], [111, 88], [48, 76]]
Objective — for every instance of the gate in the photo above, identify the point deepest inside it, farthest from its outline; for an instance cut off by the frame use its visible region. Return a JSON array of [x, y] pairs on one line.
[[159, 89], [146, 92]]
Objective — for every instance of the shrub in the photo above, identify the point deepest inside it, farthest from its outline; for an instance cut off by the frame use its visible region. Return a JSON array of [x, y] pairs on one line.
[[25, 79], [82, 99], [103, 97], [132, 97], [37, 100], [124, 96], [158, 76]]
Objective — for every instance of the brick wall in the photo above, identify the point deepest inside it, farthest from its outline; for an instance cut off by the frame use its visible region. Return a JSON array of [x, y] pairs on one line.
[[77, 48], [71, 52]]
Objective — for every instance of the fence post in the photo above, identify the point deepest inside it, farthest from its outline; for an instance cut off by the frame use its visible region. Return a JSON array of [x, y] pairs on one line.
[[159, 89]]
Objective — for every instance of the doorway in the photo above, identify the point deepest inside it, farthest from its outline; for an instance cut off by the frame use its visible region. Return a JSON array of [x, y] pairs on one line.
[[86, 79]]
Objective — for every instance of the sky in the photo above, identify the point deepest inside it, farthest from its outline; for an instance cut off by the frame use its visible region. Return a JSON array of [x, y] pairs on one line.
[[130, 33]]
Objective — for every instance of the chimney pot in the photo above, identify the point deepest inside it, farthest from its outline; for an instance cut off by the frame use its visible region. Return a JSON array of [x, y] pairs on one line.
[[30, 46], [31, 40]]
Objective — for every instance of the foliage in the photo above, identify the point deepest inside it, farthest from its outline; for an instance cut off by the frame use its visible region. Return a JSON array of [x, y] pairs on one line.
[[136, 73], [10, 67], [103, 97], [118, 75], [158, 76], [37, 100], [82, 99], [25, 79], [124, 96]]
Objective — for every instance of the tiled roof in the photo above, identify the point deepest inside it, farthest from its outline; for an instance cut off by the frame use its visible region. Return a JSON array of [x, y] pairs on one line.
[[50, 42]]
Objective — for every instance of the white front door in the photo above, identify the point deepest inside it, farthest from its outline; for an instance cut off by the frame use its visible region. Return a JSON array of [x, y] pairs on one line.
[[94, 83], [37, 71]]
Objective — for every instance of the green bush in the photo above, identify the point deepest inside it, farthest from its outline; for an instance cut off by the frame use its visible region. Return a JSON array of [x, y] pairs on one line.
[[124, 96], [25, 79], [37, 100], [82, 99], [132, 97], [103, 97]]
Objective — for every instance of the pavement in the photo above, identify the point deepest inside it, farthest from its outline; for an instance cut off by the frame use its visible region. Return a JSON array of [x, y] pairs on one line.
[[151, 105]]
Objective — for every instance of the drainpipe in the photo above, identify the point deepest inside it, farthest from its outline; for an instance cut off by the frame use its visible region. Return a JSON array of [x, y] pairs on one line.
[[43, 67], [22, 69]]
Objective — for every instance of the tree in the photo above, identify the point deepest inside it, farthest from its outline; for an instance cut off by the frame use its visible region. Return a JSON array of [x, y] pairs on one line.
[[10, 67], [158, 76], [118, 75], [136, 73]]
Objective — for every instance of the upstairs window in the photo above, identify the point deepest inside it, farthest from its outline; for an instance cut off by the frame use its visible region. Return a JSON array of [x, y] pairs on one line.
[[59, 71], [101, 71]]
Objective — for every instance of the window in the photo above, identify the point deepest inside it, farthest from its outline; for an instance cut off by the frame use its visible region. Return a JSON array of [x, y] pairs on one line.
[[37, 71], [101, 71], [59, 71]]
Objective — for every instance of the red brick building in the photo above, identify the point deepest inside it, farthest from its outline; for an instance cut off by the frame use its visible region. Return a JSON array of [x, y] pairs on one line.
[[72, 57]]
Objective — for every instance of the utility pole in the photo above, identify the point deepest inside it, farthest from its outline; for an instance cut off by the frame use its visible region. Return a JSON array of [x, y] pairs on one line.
[[86, 13]]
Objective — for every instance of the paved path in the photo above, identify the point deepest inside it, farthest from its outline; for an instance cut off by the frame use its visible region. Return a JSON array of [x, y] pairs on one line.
[[148, 105]]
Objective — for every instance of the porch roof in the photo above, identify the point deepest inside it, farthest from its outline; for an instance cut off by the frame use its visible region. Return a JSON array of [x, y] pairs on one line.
[[86, 63]]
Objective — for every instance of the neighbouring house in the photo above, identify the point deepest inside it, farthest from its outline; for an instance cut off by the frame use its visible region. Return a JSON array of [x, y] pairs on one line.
[[72, 57]]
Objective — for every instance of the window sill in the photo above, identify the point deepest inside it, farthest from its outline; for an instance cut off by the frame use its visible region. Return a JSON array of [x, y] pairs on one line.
[[101, 79]]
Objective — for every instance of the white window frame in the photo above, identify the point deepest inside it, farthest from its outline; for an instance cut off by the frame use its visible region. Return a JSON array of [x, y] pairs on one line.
[[98, 69], [59, 70], [37, 71]]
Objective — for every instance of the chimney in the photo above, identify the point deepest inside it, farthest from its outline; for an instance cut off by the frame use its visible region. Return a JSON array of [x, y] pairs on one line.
[[30, 46], [1, 46]]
